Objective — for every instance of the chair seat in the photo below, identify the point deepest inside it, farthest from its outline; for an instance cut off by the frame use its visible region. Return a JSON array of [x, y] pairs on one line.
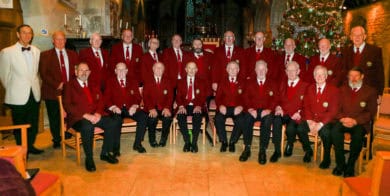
[[128, 122], [42, 182], [382, 123], [359, 185]]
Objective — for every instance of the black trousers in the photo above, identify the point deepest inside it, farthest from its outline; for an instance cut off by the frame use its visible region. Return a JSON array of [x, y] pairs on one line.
[[53, 112], [238, 128], [196, 124], [324, 133], [357, 136], [152, 124], [140, 117], [26, 114], [291, 127], [265, 130], [112, 133]]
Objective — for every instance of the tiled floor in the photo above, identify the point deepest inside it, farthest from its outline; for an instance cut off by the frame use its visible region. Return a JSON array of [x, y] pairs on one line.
[[169, 171]]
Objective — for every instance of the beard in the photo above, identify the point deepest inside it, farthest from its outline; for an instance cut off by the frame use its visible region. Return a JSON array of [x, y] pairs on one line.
[[356, 84], [198, 50]]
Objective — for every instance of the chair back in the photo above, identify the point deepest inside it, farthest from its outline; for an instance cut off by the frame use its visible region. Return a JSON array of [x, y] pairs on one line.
[[62, 118], [381, 175], [384, 107]]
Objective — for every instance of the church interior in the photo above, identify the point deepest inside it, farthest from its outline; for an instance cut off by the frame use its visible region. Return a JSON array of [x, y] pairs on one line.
[[168, 170]]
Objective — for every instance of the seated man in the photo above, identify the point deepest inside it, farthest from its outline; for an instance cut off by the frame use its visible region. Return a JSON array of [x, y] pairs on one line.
[[229, 103], [320, 106], [158, 98], [289, 108], [85, 111], [122, 97], [260, 98], [357, 109], [190, 99]]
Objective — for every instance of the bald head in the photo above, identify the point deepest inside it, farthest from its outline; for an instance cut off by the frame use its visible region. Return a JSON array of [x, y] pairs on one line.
[[324, 46], [229, 38], [289, 45], [95, 40], [358, 36], [59, 39], [259, 39]]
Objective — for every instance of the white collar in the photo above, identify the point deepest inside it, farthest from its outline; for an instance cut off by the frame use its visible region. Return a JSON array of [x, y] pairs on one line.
[[82, 83], [361, 47], [263, 81], [295, 82], [324, 56]]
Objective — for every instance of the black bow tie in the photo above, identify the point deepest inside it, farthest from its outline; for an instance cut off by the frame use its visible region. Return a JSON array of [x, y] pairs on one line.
[[27, 48]]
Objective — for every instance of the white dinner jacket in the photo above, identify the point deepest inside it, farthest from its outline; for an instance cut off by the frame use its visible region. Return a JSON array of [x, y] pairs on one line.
[[16, 77]]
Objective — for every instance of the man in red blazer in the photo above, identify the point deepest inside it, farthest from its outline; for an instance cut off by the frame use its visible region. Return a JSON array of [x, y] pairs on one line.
[[149, 59], [85, 111], [56, 69], [366, 56], [158, 99], [260, 97], [259, 52], [173, 60], [320, 107], [357, 109], [127, 52], [122, 97], [97, 60], [289, 54], [190, 99], [290, 105], [222, 56], [229, 102], [328, 60]]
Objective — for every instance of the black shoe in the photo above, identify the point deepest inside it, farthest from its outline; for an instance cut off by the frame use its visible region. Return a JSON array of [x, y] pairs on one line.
[[232, 147], [68, 135], [275, 157], [194, 148], [154, 144], [288, 150], [56, 145], [117, 152], [139, 148], [337, 171], [262, 157], [109, 157], [308, 156], [223, 147], [32, 173], [162, 143], [349, 172], [34, 150], [325, 163], [245, 154], [90, 165], [187, 147]]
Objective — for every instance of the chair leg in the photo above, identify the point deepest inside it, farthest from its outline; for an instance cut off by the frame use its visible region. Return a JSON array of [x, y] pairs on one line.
[[315, 147], [282, 138], [322, 153], [214, 135], [204, 130], [78, 154], [360, 162], [368, 147]]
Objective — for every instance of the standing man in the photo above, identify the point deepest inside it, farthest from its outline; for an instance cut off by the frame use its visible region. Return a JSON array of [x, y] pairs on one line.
[[127, 52], [173, 60], [19, 76], [158, 98], [320, 106], [229, 100], [202, 59], [289, 54], [149, 59], [85, 111], [366, 56], [223, 55], [56, 69], [357, 109], [328, 60], [122, 97], [259, 52], [190, 98], [289, 109], [97, 60], [260, 97]]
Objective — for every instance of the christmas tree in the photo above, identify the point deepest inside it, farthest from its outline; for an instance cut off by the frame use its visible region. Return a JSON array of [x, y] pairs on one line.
[[307, 21]]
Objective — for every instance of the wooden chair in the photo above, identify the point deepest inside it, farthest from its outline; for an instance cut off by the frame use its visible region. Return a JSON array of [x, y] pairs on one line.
[[314, 138], [347, 142], [381, 128], [377, 184], [75, 141], [256, 132], [175, 128], [129, 125]]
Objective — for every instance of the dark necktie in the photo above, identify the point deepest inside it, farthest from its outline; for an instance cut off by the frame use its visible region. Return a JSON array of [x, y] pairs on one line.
[[189, 91], [63, 69], [98, 59], [87, 92], [357, 57], [179, 63], [127, 55], [318, 94], [229, 53], [287, 59], [26, 48], [322, 61], [261, 88], [155, 57]]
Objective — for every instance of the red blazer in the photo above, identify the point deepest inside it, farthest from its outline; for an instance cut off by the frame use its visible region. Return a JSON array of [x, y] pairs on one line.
[[226, 97], [50, 72], [218, 70], [76, 102], [291, 106], [171, 65], [371, 63], [204, 64], [326, 109], [200, 92], [301, 60], [118, 55], [99, 73], [154, 97], [255, 100], [114, 95], [361, 106], [269, 56], [146, 66], [335, 70]]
